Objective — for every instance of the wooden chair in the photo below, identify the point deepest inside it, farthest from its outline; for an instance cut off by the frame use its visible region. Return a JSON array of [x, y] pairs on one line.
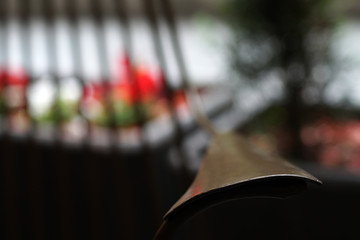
[[231, 169]]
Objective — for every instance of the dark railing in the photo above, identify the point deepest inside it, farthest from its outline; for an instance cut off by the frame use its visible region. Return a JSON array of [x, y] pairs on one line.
[[93, 168], [68, 174]]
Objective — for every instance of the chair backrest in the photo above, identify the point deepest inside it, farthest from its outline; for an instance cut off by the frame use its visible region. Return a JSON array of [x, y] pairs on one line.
[[231, 168], [52, 122]]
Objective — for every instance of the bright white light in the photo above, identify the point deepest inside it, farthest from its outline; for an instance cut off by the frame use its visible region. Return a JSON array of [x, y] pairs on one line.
[[70, 89], [41, 96]]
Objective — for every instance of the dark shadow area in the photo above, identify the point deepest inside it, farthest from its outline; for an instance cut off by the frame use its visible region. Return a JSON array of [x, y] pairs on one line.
[[58, 193]]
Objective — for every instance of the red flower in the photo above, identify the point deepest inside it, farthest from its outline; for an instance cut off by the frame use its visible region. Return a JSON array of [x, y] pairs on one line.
[[17, 78], [14, 84], [3, 77], [136, 84], [94, 91]]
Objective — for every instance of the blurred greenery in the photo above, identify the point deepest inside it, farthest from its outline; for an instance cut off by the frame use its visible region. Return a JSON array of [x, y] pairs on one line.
[[127, 115], [280, 33], [2, 105], [61, 111], [293, 38]]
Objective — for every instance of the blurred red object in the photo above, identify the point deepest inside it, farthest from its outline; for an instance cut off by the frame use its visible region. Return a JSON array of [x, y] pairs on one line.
[[3, 77], [136, 83], [131, 86], [14, 84], [95, 91], [336, 143]]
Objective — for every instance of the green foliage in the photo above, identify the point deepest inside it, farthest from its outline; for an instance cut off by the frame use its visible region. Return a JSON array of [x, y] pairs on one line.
[[281, 18], [279, 33], [2, 105], [266, 121], [127, 115], [62, 111], [124, 115], [291, 38]]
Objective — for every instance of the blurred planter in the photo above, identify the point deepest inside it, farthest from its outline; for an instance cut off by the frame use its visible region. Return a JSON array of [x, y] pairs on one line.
[[13, 101]]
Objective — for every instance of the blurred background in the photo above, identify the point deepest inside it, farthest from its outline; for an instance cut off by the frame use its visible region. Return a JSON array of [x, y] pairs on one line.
[[97, 138]]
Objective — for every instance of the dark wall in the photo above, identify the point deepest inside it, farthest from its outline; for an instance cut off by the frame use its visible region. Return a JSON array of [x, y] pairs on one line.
[[54, 192]]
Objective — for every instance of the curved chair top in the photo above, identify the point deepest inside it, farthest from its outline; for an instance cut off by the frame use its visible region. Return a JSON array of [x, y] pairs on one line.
[[230, 163]]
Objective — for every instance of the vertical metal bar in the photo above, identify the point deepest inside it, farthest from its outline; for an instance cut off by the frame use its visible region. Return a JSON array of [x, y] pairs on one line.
[[97, 8], [192, 94], [94, 9], [36, 189], [121, 8], [171, 21], [24, 11], [10, 189], [55, 158], [33, 156], [70, 9], [14, 90], [147, 155], [152, 16], [3, 57], [159, 49], [121, 12], [47, 13], [9, 172], [3, 37], [6, 55], [71, 13], [118, 161], [91, 162]]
